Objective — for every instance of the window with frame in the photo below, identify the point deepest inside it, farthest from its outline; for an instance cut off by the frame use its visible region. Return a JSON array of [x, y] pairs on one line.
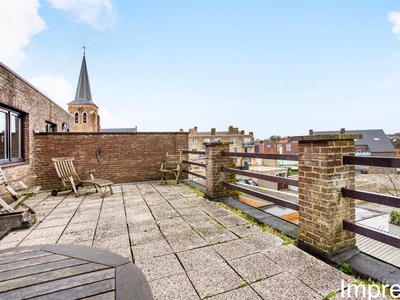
[[84, 118], [288, 147], [76, 117], [11, 136], [50, 127]]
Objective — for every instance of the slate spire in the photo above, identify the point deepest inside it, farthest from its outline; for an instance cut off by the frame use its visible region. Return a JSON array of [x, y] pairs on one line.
[[83, 94]]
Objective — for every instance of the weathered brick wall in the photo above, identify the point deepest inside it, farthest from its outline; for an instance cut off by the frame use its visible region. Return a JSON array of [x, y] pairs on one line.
[[17, 94], [321, 177], [214, 162], [124, 157]]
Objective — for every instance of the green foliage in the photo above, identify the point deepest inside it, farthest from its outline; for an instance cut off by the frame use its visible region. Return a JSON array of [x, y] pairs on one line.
[[345, 268], [330, 295], [395, 217]]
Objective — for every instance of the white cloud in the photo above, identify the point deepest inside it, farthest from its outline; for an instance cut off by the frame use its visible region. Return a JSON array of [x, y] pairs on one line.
[[394, 17], [109, 121], [57, 88], [99, 14], [19, 22]]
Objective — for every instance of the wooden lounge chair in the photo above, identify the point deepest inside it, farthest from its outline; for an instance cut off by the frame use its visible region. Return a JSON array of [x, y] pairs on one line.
[[70, 179], [19, 195], [171, 165]]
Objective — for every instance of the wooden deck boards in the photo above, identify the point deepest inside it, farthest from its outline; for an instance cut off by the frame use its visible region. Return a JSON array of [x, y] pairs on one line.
[[68, 272]]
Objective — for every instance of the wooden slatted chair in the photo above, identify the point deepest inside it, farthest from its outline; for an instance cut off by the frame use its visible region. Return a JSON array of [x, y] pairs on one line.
[[19, 193], [171, 165], [70, 179]]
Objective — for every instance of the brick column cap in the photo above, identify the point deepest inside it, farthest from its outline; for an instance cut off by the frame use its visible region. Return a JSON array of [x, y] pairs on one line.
[[326, 137]]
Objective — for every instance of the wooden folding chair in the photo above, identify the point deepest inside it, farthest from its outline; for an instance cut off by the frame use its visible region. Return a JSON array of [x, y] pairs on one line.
[[19, 195], [70, 179], [172, 165]]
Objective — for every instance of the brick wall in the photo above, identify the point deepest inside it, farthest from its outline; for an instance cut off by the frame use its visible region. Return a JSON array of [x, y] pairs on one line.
[[19, 95], [322, 208], [124, 157]]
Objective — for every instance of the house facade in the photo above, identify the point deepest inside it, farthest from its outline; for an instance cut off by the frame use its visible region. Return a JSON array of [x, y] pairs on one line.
[[240, 142], [24, 111]]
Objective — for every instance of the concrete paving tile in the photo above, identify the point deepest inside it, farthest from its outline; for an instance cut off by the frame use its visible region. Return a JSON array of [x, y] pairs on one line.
[[231, 220], [160, 267], [112, 231], [199, 258], [243, 293], [124, 252], [114, 216], [86, 216], [176, 287], [173, 224], [151, 249], [53, 222], [8, 245], [72, 237], [185, 240], [111, 242], [182, 204], [284, 286], [245, 230], [144, 235], [214, 280], [235, 249], [50, 231], [50, 239], [89, 206], [16, 236], [164, 213], [138, 217], [218, 212], [199, 217], [255, 267], [106, 224], [137, 209], [265, 241], [310, 270], [208, 223], [218, 235], [90, 225]]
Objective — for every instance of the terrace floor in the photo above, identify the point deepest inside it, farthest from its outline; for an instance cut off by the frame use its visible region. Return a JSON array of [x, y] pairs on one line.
[[186, 246]]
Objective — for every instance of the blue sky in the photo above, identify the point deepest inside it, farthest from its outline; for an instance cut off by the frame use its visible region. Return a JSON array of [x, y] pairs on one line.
[[270, 67]]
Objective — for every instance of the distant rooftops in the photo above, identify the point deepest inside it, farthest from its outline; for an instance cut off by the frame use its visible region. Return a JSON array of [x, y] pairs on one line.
[[375, 139]]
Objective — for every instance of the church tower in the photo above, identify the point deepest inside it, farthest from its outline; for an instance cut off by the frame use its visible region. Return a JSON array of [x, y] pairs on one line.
[[85, 112]]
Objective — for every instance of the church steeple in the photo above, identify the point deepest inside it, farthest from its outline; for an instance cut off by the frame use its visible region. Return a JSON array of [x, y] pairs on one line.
[[84, 110], [83, 93]]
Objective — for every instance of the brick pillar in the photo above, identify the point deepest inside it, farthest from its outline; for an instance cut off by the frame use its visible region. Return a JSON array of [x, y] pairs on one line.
[[214, 162], [322, 208]]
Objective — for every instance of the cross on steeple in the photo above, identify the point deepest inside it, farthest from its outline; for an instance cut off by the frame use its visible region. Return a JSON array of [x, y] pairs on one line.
[[84, 49]]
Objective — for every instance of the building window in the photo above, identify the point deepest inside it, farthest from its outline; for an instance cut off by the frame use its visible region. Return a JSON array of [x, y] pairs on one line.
[[50, 127], [194, 141], [234, 149], [206, 140], [76, 117], [288, 147], [84, 117], [234, 140], [11, 132]]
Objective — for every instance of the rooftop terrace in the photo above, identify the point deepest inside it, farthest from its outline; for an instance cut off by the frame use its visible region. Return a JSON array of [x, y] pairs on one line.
[[186, 246]]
